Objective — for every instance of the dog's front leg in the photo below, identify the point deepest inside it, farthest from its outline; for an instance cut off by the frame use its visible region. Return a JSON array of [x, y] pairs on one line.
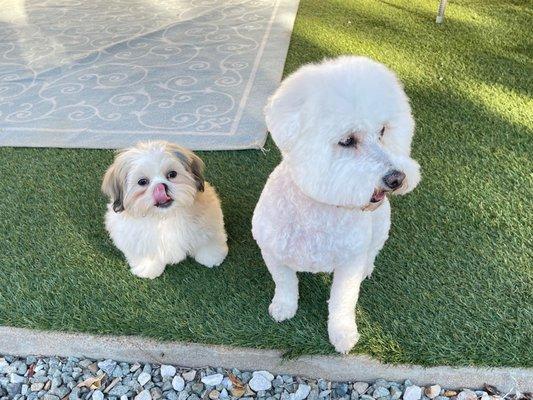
[[342, 328], [285, 301], [147, 267]]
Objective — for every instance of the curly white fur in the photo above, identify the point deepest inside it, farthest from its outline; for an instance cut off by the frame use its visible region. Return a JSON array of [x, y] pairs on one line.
[[153, 226], [342, 126]]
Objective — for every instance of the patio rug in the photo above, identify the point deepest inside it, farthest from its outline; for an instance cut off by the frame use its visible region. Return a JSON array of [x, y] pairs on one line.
[[108, 73]]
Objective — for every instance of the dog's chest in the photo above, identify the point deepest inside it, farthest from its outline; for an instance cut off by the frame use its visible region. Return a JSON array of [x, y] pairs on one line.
[[170, 237], [307, 235]]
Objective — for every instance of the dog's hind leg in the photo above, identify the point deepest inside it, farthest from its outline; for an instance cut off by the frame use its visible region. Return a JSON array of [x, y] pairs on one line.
[[285, 301], [342, 328]]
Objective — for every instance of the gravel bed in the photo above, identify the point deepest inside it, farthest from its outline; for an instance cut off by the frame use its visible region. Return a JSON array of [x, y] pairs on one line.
[[54, 378]]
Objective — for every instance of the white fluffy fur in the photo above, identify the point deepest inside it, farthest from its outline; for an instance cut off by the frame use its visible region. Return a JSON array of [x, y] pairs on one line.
[[314, 213], [152, 237]]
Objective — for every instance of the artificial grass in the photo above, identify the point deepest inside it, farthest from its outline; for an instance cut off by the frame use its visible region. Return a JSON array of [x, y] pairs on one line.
[[454, 283]]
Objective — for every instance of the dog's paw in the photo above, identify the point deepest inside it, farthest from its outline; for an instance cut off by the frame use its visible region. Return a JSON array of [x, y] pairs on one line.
[[211, 256], [343, 338], [280, 310], [148, 270]]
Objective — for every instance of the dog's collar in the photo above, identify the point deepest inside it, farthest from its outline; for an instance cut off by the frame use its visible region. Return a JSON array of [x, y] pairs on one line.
[[367, 208]]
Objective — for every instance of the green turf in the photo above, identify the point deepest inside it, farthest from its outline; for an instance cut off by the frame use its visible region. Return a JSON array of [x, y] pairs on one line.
[[454, 283]]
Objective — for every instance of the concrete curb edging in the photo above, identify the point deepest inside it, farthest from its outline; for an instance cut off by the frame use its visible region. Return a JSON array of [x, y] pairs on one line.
[[23, 342]]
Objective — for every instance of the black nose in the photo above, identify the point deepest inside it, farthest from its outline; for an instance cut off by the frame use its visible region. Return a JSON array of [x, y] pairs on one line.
[[393, 179]]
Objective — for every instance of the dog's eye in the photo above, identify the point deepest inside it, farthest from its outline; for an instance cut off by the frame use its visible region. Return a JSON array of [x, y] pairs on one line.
[[350, 141], [382, 132], [172, 174], [143, 182]]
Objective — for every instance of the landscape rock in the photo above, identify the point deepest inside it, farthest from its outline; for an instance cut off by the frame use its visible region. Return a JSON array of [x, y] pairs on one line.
[[412, 392], [360, 387], [168, 371], [432, 391], [144, 378], [301, 393], [213, 380], [260, 382], [107, 366], [144, 395], [98, 395], [189, 375], [178, 383], [380, 391], [467, 394]]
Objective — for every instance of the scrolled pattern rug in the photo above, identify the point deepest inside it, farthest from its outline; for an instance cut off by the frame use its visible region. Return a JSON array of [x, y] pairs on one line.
[[109, 73]]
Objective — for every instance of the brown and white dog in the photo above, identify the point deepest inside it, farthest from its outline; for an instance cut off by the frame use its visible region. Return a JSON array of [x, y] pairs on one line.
[[162, 210]]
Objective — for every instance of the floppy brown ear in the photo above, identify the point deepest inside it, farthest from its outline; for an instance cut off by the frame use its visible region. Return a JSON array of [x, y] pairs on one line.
[[197, 170], [191, 162], [113, 186]]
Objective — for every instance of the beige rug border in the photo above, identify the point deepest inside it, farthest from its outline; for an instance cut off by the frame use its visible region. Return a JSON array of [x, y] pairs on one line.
[[23, 342]]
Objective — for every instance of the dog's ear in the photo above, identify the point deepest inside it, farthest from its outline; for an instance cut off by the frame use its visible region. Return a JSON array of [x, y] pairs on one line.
[[113, 185], [283, 111], [191, 162], [197, 170]]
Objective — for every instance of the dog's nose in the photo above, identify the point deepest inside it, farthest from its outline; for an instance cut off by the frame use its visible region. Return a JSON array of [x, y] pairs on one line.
[[394, 179]]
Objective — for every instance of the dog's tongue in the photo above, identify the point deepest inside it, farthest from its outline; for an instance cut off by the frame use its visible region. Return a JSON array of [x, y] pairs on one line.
[[160, 194]]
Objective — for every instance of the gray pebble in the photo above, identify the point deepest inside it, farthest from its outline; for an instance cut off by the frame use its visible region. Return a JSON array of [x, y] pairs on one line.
[[60, 391], [167, 371], [15, 378], [360, 387], [413, 392], [189, 375], [156, 393], [119, 390], [31, 360], [197, 388], [108, 366], [178, 383], [144, 378], [246, 376], [144, 395], [171, 395], [380, 391], [167, 385], [302, 392], [147, 368], [74, 394], [98, 395], [395, 392], [13, 389], [381, 383], [313, 395], [341, 389], [24, 389], [277, 382]]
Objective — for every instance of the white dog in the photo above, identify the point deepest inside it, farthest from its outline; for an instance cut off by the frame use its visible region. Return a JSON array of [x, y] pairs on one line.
[[161, 209], [344, 128]]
